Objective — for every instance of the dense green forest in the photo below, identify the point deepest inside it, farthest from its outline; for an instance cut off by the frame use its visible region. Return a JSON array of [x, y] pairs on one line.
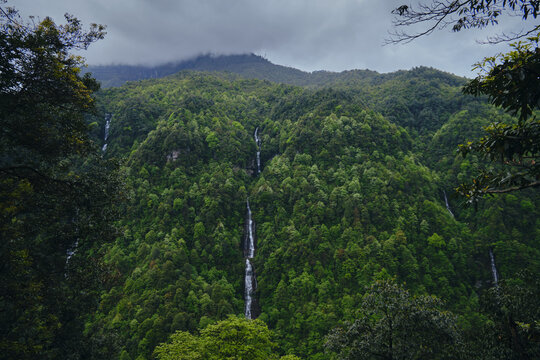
[[356, 188], [229, 208]]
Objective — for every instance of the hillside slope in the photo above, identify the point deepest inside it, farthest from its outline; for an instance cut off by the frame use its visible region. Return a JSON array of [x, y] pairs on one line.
[[346, 196]]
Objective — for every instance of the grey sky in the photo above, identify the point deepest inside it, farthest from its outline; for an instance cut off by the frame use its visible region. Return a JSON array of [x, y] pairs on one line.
[[306, 34]]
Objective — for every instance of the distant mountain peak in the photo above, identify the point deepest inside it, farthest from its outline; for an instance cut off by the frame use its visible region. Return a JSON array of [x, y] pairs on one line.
[[250, 66], [246, 65]]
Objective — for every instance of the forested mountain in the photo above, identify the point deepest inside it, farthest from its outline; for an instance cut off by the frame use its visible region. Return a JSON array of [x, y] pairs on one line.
[[356, 186], [253, 66], [249, 66]]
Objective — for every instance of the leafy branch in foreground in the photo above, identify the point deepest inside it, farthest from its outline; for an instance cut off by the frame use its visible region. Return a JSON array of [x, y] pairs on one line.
[[511, 81]]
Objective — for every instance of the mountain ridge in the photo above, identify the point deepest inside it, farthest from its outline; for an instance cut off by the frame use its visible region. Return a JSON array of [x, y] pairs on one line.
[[250, 66]]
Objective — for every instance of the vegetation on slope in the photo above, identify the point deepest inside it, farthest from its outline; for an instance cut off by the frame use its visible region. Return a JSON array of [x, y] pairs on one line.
[[346, 197]]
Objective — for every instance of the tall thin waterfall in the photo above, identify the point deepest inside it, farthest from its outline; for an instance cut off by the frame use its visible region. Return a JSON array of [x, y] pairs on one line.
[[249, 253], [250, 280], [249, 250], [493, 268], [258, 143], [250, 285], [447, 204], [108, 117]]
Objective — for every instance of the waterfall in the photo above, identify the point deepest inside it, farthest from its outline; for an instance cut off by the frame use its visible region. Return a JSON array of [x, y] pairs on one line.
[[250, 280], [249, 244], [258, 143], [249, 253], [493, 268], [71, 251], [250, 286], [108, 117], [447, 204]]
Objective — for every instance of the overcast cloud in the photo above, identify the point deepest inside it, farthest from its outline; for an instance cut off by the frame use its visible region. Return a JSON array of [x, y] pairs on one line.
[[310, 35]]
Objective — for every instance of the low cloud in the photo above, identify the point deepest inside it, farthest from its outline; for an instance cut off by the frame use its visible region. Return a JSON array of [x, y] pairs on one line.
[[307, 34]]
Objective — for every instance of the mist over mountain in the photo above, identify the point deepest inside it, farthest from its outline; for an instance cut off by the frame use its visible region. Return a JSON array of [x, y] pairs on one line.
[[249, 66]]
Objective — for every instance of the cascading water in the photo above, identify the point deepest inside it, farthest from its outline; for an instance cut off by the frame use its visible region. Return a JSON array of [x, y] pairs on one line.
[[258, 143], [249, 250], [493, 268], [71, 251], [250, 285], [447, 204], [250, 281], [249, 253], [107, 127]]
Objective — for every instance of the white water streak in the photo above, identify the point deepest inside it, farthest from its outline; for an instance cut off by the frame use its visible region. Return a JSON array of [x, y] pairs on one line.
[[250, 281], [249, 289], [258, 143], [447, 204], [107, 127], [251, 240], [493, 268], [71, 251]]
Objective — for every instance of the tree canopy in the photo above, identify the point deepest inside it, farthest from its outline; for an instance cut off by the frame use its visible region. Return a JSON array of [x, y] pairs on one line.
[[351, 191], [394, 324], [56, 192], [234, 338]]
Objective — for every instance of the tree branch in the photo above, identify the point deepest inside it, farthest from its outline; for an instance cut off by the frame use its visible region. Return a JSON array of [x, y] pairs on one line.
[[507, 38], [514, 188], [460, 14]]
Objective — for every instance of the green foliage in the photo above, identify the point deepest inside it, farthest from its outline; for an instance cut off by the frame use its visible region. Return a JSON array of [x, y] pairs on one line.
[[511, 329], [234, 338], [352, 194], [511, 82], [57, 194], [396, 325], [347, 196]]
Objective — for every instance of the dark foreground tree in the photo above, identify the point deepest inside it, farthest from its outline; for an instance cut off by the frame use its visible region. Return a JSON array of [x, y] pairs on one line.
[[512, 329], [510, 81], [56, 192], [397, 325]]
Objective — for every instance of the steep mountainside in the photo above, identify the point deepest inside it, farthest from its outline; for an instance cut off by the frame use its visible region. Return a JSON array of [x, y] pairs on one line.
[[355, 185]]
